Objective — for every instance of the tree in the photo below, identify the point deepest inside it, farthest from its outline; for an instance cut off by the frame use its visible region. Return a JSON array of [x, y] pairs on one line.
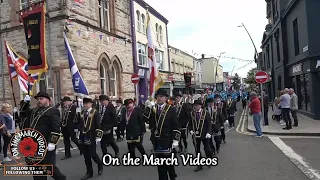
[[250, 80], [236, 82]]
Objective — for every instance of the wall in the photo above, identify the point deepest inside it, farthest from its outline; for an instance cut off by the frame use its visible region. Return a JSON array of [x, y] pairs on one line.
[[142, 38], [312, 10], [209, 70], [87, 50], [297, 11], [181, 62]]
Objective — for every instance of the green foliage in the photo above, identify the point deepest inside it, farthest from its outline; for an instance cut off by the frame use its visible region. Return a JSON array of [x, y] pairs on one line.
[[250, 80]]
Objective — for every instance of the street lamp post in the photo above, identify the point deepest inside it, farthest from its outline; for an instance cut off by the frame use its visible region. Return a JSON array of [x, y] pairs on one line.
[[256, 52], [216, 73]]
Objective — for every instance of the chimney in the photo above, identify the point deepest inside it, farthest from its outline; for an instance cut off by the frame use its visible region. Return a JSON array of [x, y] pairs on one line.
[[202, 56]]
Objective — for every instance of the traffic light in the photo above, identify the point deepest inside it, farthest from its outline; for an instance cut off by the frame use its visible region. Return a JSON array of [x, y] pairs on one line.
[[187, 79]]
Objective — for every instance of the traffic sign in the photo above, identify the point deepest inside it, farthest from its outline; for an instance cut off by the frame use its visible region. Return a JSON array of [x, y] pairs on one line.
[[135, 78], [261, 77]]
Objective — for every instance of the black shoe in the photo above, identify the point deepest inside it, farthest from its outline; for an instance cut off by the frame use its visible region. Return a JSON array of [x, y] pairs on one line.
[[286, 128], [198, 168], [100, 170], [295, 125], [87, 176], [81, 153], [224, 141], [218, 150], [65, 157], [117, 154]]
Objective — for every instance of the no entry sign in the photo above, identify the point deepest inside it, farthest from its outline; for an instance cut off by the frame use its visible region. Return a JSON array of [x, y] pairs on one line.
[[135, 78], [261, 77]]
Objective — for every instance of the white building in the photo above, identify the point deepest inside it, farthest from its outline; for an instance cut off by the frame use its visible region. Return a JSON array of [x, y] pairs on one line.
[[197, 73], [160, 41]]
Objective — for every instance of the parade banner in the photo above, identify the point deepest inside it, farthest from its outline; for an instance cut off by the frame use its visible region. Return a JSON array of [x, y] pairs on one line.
[[34, 22], [79, 87]]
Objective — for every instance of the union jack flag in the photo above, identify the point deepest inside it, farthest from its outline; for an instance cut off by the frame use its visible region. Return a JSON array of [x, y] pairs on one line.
[[18, 69]]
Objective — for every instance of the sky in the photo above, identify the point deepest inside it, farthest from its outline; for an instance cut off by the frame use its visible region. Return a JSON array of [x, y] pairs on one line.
[[210, 27]]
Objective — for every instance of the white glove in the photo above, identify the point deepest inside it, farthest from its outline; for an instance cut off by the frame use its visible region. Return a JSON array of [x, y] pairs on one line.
[[152, 103], [115, 128], [51, 147], [208, 136], [78, 110], [175, 144], [27, 98], [108, 132], [98, 140], [15, 109], [191, 132], [76, 130], [227, 122]]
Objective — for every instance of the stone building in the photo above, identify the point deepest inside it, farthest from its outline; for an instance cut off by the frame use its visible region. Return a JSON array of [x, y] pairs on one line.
[[181, 62], [99, 35]]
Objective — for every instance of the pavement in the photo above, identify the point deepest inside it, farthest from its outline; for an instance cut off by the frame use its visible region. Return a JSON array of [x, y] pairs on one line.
[[307, 126], [242, 157]]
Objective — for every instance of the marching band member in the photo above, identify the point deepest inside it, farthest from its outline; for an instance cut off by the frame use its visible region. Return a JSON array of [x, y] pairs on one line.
[[90, 133], [120, 112], [108, 120], [69, 115], [200, 128], [134, 126], [221, 108], [217, 122], [46, 119], [183, 115], [231, 110], [165, 129]]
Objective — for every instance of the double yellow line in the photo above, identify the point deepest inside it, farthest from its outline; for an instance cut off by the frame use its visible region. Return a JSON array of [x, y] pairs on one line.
[[241, 125]]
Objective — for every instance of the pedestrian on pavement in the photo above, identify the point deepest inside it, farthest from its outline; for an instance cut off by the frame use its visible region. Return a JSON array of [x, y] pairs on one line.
[[285, 108], [255, 111], [266, 108], [276, 109], [9, 124], [294, 106]]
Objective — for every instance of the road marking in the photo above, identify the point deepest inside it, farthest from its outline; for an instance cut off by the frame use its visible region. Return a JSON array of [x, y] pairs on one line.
[[298, 160], [240, 122], [228, 130]]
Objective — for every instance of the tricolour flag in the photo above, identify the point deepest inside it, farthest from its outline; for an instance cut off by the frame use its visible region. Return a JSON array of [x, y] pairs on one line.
[[155, 79], [79, 87], [18, 69]]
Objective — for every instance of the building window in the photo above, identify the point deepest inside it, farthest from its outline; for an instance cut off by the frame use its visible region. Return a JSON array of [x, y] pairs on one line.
[[159, 58], [143, 24], [142, 53], [113, 82], [296, 37], [138, 21], [104, 14], [277, 45], [160, 34], [103, 78], [157, 32], [268, 57]]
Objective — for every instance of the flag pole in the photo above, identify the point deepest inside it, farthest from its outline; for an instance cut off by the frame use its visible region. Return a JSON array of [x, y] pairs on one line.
[[29, 75]]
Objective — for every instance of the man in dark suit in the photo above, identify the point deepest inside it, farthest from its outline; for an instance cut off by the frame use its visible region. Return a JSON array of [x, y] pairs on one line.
[[165, 130], [46, 119], [134, 126], [68, 128], [201, 129], [90, 134], [108, 121], [231, 110], [222, 114], [183, 115], [96, 103], [120, 113]]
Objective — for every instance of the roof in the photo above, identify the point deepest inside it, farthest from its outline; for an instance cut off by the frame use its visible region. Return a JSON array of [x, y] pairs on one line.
[[152, 10], [181, 51]]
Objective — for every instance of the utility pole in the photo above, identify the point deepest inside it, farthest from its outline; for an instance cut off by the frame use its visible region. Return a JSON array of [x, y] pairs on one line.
[[216, 73]]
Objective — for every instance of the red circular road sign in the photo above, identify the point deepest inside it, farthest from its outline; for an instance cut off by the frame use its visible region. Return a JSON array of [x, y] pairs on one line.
[[135, 78], [261, 77]]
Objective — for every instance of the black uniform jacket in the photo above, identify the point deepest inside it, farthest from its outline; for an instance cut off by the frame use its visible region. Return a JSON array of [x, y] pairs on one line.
[[202, 126], [231, 107], [134, 124], [109, 119], [184, 114], [89, 126], [223, 106], [216, 121], [68, 117], [164, 127], [46, 121]]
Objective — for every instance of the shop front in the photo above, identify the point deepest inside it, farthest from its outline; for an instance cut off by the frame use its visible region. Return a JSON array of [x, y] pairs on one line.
[[305, 79], [178, 87]]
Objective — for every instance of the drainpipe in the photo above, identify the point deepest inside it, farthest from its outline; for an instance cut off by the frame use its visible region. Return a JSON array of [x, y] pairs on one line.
[[134, 45], [169, 64]]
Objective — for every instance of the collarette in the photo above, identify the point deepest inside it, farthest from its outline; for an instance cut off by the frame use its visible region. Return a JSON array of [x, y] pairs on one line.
[[199, 111]]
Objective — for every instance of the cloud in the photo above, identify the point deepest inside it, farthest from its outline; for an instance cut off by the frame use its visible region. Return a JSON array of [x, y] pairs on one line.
[[210, 27]]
